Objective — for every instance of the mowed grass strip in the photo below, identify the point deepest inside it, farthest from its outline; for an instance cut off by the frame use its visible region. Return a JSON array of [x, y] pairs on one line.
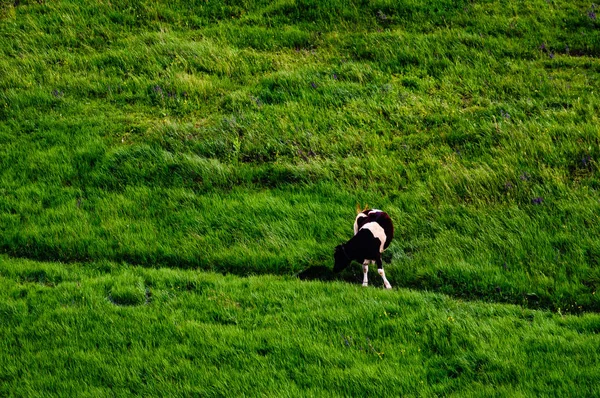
[[238, 138], [107, 328]]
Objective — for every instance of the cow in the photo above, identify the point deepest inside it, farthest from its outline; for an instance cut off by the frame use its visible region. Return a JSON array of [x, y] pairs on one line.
[[373, 232]]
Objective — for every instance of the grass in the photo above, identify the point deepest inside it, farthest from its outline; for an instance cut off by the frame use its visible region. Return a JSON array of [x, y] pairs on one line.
[[477, 131], [187, 332], [237, 137]]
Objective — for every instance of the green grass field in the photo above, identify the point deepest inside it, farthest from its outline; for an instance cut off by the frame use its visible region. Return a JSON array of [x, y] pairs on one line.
[[167, 169], [103, 329]]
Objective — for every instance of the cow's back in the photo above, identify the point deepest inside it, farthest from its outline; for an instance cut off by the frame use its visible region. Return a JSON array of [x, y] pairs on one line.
[[378, 216]]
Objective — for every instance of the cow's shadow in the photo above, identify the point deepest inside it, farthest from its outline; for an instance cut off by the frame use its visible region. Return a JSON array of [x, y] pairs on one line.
[[317, 272], [352, 274]]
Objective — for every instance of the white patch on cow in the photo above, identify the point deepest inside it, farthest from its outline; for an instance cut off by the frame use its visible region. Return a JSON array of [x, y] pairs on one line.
[[377, 232], [375, 211], [360, 215]]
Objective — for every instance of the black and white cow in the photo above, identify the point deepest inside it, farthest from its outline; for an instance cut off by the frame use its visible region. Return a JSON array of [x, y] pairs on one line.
[[373, 232]]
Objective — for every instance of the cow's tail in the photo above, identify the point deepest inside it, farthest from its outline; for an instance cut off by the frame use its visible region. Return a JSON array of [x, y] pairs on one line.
[[360, 209]]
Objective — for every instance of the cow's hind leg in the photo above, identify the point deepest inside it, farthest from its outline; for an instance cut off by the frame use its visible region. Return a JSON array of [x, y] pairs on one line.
[[365, 272], [381, 272], [386, 283]]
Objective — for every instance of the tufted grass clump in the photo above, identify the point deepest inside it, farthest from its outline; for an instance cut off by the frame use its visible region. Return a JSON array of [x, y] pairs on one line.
[[128, 290]]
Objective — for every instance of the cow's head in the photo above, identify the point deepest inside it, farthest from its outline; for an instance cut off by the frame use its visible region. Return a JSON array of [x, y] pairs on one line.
[[341, 259]]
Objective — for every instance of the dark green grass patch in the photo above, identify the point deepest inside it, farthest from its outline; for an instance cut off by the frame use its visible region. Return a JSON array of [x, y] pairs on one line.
[[208, 334]]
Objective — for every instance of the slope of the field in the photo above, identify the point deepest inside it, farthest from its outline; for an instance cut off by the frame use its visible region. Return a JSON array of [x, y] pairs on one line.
[[105, 329], [146, 145], [238, 137]]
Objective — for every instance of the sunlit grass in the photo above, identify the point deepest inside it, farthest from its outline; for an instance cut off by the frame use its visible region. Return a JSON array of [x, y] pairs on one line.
[[143, 139], [156, 137], [106, 328]]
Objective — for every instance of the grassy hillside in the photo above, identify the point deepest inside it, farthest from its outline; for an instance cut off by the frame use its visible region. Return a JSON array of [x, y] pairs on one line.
[[148, 147], [238, 136], [105, 329]]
